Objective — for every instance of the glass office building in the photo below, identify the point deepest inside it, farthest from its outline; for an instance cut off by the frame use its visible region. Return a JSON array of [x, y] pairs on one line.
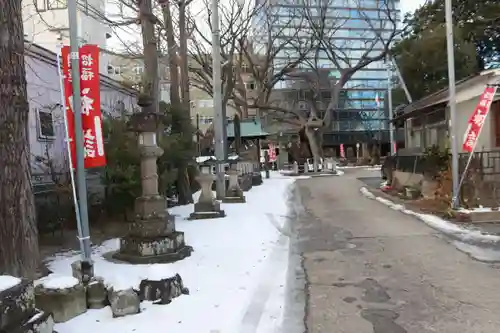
[[354, 29]]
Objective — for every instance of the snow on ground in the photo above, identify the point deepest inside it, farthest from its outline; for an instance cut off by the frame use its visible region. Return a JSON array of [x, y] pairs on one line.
[[7, 282], [481, 246], [367, 167], [236, 274]]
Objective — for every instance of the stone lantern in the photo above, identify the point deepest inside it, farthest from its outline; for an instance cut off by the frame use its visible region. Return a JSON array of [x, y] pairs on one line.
[[207, 206], [234, 193], [152, 237]]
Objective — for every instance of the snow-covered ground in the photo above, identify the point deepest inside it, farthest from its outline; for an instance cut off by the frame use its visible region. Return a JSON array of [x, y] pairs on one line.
[[236, 274], [477, 244]]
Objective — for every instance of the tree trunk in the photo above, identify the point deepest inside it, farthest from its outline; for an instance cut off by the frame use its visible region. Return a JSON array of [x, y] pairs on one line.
[[19, 254], [177, 85], [314, 144], [183, 183]]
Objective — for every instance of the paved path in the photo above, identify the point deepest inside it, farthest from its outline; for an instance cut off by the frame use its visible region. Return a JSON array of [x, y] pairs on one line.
[[371, 269]]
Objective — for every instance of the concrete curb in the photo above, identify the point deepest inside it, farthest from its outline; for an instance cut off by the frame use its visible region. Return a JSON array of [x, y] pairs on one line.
[[451, 230]]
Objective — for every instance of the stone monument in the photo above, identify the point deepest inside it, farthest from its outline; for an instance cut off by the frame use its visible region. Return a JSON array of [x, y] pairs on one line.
[[207, 206], [152, 238], [234, 193]]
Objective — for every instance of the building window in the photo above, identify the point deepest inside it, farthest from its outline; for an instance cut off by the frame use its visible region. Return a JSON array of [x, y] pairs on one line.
[[206, 120], [45, 124], [206, 103]]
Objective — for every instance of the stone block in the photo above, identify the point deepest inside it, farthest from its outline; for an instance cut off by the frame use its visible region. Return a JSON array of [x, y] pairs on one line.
[[148, 250], [82, 271], [152, 227], [124, 302], [17, 302], [97, 294], [150, 207], [63, 296], [162, 291]]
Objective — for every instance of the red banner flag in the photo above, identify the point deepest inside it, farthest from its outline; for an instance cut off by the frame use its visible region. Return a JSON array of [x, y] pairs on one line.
[[476, 120], [93, 141], [342, 153]]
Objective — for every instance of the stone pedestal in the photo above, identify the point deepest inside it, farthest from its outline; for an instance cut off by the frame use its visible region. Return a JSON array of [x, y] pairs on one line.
[[63, 296], [152, 237], [234, 193], [206, 207]]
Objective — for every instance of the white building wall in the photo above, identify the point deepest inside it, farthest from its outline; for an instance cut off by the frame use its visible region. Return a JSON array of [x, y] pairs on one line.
[[49, 27]]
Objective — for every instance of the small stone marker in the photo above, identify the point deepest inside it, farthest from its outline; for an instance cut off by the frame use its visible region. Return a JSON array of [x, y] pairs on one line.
[[124, 302]]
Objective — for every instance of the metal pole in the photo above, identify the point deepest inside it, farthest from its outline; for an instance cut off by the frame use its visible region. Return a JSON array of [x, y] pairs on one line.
[[77, 106], [453, 103], [219, 119], [68, 149], [389, 101]]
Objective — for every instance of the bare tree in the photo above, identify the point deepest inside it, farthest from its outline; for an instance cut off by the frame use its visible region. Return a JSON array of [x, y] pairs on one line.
[[235, 25], [343, 57], [19, 254], [177, 56]]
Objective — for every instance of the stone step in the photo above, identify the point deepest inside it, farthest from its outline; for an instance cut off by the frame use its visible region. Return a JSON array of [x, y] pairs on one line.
[[17, 304]]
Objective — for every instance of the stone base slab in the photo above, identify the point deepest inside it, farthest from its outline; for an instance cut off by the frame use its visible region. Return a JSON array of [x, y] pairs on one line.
[[207, 215], [179, 254], [164, 248], [234, 199]]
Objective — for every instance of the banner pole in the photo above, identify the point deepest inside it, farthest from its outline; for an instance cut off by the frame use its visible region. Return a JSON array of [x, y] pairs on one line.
[[455, 200], [68, 148]]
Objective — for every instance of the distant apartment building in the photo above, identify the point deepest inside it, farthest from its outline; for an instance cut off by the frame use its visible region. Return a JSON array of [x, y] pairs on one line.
[[46, 24], [359, 118]]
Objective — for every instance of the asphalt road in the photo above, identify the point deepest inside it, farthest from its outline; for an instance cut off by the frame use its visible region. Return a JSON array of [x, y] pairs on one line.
[[359, 267]]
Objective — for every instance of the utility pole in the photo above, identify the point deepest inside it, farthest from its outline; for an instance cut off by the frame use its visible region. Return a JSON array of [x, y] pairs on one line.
[[452, 101], [81, 184], [219, 118], [389, 101]]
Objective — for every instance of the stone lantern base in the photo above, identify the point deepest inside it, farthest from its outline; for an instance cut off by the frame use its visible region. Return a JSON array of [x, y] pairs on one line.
[[152, 238], [234, 193], [207, 210]]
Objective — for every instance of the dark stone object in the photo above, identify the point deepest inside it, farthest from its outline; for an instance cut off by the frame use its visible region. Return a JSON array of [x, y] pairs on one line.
[[246, 182], [40, 322], [162, 291], [17, 304], [256, 179]]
